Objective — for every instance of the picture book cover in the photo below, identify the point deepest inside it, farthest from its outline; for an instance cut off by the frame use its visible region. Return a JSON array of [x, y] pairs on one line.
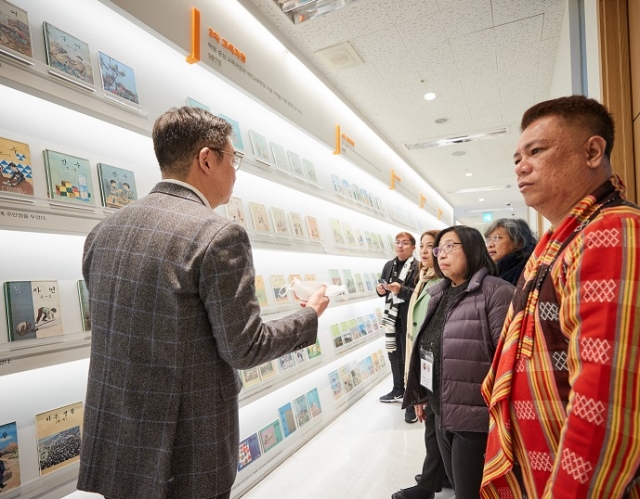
[[271, 435], [337, 184], [236, 136], [297, 227], [287, 361], [368, 321], [250, 377], [366, 197], [267, 370], [348, 281], [382, 358], [260, 147], [378, 311], [380, 241], [355, 373], [368, 282], [357, 194], [279, 217], [280, 158], [235, 212], [310, 171], [348, 234], [313, 400], [376, 361], [336, 385], [362, 327], [67, 53], [58, 433], [10, 456], [334, 275], [368, 239], [261, 292], [259, 217], [296, 165], [301, 356], [118, 78], [68, 178], [301, 411], [314, 230], [287, 419], [336, 335], [194, 103], [117, 186], [85, 313], [359, 282], [249, 451], [360, 240], [33, 309], [346, 189], [362, 367], [291, 278], [345, 377], [314, 350], [16, 174], [336, 231], [345, 330], [353, 327], [309, 277], [14, 29], [279, 288], [370, 368]]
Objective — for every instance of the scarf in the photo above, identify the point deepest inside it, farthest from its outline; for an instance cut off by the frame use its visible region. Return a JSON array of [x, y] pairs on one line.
[[516, 341], [391, 304]]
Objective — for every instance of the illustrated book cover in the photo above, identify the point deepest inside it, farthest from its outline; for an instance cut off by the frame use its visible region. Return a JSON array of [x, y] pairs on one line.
[[349, 234], [279, 218], [33, 309], [345, 377], [250, 377], [358, 281], [279, 288], [267, 370], [310, 171], [280, 158], [348, 281], [68, 178], [353, 327], [271, 435], [236, 136], [85, 313], [10, 456], [301, 356], [362, 367], [16, 174], [260, 147], [248, 451], [336, 335], [287, 419], [301, 411], [336, 385], [334, 275], [259, 217], [314, 230], [296, 165], [314, 350], [362, 327], [117, 186], [118, 78], [58, 433], [67, 53], [294, 277], [313, 399], [345, 330], [261, 292], [287, 361], [235, 212], [355, 373], [14, 29], [297, 226], [336, 231]]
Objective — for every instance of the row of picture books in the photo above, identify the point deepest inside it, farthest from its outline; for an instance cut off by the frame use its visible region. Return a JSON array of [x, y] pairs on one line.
[[354, 193], [268, 370], [58, 433], [69, 178], [355, 329], [34, 310], [344, 379], [292, 416]]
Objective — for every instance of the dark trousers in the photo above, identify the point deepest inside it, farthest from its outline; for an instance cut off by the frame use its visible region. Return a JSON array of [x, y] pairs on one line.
[[463, 456], [433, 468], [396, 359]]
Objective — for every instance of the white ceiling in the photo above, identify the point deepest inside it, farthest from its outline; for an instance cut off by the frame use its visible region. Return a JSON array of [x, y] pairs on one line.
[[487, 60]]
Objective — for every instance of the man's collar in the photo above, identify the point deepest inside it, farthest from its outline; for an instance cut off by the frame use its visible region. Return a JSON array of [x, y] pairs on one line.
[[190, 187]]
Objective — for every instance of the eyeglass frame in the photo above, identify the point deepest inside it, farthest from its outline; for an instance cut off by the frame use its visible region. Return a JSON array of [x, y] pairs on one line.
[[495, 239], [441, 249], [236, 157]]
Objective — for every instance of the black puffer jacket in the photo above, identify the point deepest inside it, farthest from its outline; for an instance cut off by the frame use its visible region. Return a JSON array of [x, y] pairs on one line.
[[471, 332]]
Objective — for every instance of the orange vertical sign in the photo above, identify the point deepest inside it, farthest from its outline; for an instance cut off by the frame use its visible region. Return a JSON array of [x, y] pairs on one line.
[[195, 37], [338, 149], [394, 177]]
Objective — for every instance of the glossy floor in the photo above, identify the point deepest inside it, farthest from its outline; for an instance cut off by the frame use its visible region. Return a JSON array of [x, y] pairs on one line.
[[369, 452]]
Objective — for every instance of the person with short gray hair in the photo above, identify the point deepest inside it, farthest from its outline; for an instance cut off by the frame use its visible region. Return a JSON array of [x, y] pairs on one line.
[[510, 243]]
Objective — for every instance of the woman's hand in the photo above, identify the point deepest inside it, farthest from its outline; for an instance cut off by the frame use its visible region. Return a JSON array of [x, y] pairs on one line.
[[420, 413]]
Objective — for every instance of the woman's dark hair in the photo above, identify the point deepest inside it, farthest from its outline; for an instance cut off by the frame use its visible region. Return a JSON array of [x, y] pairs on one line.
[[474, 248]]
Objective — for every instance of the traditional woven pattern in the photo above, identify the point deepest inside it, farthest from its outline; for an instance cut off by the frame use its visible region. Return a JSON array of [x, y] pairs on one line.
[[587, 418]]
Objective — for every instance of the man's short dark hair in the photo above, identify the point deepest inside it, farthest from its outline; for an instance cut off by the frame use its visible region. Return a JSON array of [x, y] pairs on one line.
[[180, 133], [408, 236], [474, 248], [579, 111]]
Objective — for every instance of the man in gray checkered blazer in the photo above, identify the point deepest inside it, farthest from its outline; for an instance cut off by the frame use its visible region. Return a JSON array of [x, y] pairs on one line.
[[174, 314]]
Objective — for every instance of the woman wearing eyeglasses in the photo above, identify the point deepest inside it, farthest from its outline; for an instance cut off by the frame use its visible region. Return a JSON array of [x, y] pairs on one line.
[[510, 243], [454, 349]]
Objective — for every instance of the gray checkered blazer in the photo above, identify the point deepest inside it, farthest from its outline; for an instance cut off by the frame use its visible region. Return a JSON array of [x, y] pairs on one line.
[[173, 314]]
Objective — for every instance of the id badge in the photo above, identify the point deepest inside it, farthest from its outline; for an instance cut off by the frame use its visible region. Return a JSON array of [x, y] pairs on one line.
[[426, 369]]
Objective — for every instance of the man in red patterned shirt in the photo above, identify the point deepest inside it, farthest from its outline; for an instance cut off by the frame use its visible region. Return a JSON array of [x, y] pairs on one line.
[[564, 387]]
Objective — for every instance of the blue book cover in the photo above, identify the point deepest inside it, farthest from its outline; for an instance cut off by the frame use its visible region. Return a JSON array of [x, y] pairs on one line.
[[117, 186], [249, 451], [313, 399], [287, 419]]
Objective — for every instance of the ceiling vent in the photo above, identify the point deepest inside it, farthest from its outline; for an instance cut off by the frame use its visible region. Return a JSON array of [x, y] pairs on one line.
[[341, 56], [300, 11], [459, 139]]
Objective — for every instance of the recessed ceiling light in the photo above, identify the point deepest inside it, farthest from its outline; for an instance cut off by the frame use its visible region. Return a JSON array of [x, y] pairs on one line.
[[440, 121], [430, 95], [481, 200], [458, 153], [468, 174]]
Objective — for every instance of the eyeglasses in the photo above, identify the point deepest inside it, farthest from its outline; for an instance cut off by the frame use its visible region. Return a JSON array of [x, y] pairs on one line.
[[237, 158], [403, 243], [446, 249], [493, 239]]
